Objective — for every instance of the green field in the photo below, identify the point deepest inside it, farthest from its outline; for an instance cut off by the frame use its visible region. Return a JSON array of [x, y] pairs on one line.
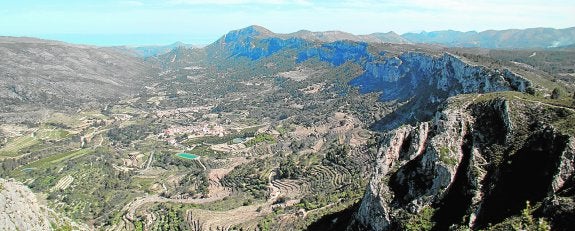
[[52, 134], [13, 147], [58, 158]]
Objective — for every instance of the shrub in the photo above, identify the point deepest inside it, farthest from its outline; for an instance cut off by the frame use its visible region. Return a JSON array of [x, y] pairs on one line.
[[422, 221]]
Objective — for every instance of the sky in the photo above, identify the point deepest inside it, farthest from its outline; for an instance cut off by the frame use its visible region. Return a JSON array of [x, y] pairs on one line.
[[157, 22]]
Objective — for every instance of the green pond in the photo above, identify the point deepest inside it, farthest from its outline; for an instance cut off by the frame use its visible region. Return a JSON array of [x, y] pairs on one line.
[[187, 156]]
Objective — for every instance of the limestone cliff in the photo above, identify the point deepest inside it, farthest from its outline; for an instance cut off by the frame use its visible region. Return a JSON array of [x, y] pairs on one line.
[[397, 75], [475, 163]]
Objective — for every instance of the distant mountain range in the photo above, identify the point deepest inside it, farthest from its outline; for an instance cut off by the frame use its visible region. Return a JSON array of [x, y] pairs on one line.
[[148, 51], [504, 39], [533, 38], [493, 39], [324, 36]]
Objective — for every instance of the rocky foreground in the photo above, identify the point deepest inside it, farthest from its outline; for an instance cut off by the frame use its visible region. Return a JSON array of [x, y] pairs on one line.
[[21, 210], [478, 162]]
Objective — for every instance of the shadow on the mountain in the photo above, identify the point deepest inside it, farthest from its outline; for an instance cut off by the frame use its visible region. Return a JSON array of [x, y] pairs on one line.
[[418, 109], [338, 221]]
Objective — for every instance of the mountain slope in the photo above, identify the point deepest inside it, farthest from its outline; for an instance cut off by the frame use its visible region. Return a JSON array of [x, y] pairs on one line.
[[55, 74], [428, 164], [323, 36], [390, 37]]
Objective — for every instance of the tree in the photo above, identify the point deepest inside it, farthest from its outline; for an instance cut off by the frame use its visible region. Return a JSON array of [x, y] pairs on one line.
[[528, 222], [556, 93]]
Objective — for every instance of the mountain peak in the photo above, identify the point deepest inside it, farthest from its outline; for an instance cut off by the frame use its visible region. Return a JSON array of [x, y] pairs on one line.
[[254, 30], [177, 44], [250, 32]]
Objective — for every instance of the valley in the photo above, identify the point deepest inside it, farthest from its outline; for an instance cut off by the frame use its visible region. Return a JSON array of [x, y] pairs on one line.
[[265, 131]]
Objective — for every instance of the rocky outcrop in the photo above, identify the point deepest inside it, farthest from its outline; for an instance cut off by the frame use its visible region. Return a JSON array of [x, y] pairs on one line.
[[424, 82], [21, 210], [401, 145], [475, 163]]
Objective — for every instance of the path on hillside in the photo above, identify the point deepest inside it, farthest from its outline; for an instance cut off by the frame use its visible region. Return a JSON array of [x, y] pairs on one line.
[[274, 191], [546, 104], [150, 160]]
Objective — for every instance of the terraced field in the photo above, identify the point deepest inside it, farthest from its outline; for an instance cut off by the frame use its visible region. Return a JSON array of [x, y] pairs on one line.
[[13, 148], [245, 217], [63, 183], [363, 157], [327, 177], [58, 158], [291, 188]]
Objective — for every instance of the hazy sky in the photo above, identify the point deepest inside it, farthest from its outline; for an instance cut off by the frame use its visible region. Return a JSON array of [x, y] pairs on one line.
[[107, 22]]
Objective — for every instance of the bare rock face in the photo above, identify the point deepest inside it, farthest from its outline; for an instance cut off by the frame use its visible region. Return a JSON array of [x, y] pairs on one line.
[[21, 210], [566, 167], [399, 146], [446, 75], [475, 163]]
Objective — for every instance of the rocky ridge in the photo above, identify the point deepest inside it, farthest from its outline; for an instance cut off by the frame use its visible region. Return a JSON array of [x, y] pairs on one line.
[[420, 79], [475, 163]]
